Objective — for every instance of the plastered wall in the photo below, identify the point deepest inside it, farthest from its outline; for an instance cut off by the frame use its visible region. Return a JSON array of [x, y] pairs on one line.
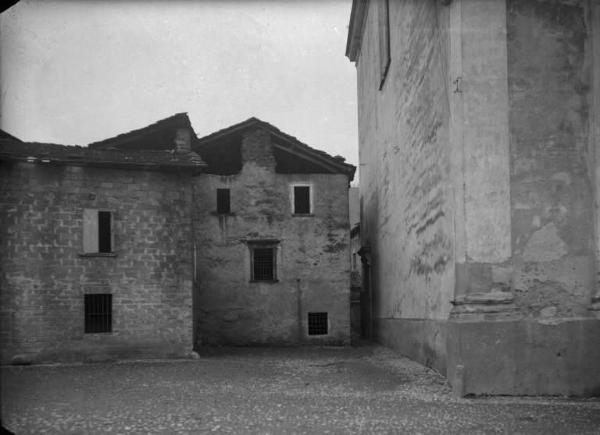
[[313, 254], [550, 82], [407, 201]]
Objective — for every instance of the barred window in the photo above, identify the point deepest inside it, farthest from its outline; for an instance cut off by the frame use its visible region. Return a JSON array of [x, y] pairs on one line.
[[98, 313], [317, 324], [263, 261], [263, 267]]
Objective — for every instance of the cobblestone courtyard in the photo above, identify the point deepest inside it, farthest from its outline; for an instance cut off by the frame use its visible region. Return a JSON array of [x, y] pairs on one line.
[[297, 390]]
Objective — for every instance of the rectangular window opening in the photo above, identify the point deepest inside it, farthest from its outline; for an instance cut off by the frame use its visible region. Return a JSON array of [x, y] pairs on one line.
[[263, 264], [98, 313], [317, 324], [384, 41], [223, 201], [301, 199], [104, 231]]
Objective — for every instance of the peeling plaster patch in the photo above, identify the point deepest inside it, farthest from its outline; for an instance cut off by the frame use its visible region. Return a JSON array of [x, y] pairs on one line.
[[562, 176], [545, 245], [501, 274], [548, 300], [556, 213], [524, 165]]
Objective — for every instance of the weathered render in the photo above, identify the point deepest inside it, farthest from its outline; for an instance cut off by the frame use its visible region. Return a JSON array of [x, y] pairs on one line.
[[312, 249], [479, 160], [46, 273]]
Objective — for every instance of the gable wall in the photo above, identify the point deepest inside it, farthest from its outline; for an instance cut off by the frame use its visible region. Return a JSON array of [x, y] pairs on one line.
[[313, 254]]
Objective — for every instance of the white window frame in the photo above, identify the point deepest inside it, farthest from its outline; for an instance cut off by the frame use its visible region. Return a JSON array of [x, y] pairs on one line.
[[310, 198]]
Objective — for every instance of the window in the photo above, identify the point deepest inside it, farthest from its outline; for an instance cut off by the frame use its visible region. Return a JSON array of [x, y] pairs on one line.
[[317, 323], [98, 313], [97, 231], [302, 200], [223, 201], [263, 260], [263, 264], [384, 40]]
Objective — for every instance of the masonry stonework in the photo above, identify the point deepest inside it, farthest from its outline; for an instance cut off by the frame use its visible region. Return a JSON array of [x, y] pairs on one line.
[[44, 276], [312, 254]]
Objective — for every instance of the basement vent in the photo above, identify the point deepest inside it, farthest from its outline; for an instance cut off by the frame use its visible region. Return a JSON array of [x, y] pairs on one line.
[[317, 323], [98, 313]]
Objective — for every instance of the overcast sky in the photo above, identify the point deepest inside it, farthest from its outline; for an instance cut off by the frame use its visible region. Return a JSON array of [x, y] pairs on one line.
[[74, 72]]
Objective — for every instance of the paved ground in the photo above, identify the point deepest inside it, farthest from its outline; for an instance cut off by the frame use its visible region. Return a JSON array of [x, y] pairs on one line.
[[300, 390]]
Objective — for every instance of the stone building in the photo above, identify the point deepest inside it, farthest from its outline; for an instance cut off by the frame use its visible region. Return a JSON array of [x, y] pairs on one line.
[[96, 250], [273, 239], [479, 135], [137, 247]]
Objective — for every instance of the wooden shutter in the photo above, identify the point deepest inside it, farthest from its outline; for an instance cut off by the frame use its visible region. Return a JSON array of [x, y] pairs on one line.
[[90, 230]]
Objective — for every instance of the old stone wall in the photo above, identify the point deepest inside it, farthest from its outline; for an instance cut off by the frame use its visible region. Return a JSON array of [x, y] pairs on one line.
[[313, 258], [549, 66], [406, 194], [44, 276]]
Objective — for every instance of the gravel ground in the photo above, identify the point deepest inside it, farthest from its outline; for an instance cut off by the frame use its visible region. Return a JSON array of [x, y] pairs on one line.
[[368, 389]]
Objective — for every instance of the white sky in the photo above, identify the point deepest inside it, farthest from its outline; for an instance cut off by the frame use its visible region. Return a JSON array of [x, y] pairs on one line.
[[74, 72]]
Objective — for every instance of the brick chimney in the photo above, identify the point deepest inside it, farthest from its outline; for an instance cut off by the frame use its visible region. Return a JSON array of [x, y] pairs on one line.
[[183, 138]]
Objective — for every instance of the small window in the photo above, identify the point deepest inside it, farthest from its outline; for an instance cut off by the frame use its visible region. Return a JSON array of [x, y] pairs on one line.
[[223, 201], [317, 323], [384, 41], [301, 199], [263, 260], [97, 231], [263, 264], [98, 313]]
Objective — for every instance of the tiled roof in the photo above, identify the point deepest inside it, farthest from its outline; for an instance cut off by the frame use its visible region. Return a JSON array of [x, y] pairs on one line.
[[6, 135], [12, 149], [336, 162], [172, 122]]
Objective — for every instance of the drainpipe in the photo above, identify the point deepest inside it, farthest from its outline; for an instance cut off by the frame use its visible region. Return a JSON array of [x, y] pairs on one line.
[[299, 308]]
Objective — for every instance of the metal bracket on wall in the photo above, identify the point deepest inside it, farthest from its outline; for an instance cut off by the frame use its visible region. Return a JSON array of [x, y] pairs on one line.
[[457, 83]]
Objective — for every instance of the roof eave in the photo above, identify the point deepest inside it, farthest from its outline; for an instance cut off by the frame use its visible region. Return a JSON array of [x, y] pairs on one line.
[[48, 160], [356, 28], [179, 119]]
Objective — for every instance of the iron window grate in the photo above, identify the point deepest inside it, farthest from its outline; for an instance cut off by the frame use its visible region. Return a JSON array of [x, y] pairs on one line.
[[98, 313], [301, 199], [317, 324], [223, 201], [263, 264]]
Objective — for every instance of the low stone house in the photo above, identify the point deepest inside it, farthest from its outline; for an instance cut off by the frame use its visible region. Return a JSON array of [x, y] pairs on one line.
[[96, 251], [133, 247]]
